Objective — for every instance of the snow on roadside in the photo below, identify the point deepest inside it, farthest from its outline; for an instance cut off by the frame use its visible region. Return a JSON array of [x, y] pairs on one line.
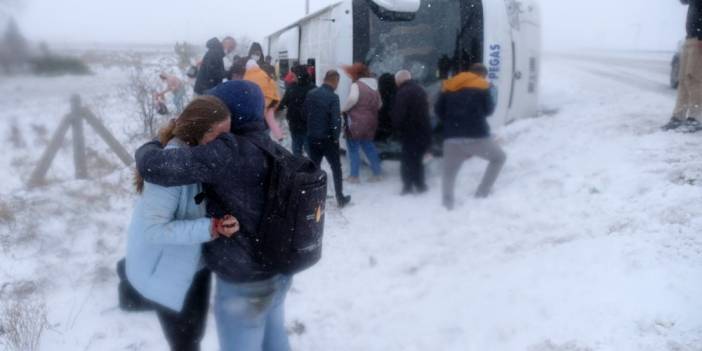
[[590, 242]]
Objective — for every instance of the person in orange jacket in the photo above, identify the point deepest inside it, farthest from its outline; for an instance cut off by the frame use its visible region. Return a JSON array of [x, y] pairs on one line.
[[258, 76]]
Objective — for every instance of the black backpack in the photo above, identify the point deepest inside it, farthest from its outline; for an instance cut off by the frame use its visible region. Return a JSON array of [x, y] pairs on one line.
[[293, 218]]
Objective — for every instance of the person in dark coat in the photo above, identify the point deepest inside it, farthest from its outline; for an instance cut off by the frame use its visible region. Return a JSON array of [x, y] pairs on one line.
[[323, 114], [410, 116], [211, 71], [463, 106], [234, 170], [293, 102], [387, 89]]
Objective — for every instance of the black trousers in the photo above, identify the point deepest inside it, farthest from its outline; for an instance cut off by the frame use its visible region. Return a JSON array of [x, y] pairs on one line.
[[328, 149], [185, 330], [412, 168]]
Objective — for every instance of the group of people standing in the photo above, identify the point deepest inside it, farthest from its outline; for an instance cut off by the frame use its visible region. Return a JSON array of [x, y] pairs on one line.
[[202, 184], [317, 122]]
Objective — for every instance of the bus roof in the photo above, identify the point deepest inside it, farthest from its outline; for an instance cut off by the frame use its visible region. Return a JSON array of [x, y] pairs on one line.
[[305, 19]]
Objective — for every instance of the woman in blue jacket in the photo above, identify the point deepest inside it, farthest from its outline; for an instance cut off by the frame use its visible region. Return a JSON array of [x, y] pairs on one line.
[[168, 228]]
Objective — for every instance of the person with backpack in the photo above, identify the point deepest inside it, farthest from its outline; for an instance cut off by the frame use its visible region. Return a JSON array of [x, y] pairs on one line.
[[362, 106], [211, 71], [293, 101], [279, 201], [322, 113], [167, 232], [463, 106]]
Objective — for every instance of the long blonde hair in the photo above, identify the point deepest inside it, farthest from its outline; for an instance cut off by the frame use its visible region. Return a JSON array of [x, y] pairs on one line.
[[197, 119]]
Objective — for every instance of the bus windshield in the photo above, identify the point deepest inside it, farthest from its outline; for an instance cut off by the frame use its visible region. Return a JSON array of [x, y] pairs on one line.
[[430, 44]]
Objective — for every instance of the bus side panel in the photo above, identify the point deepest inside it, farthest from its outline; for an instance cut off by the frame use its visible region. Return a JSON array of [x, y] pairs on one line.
[[343, 47], [328, 39], [528, 58], [284, 49], [498, 57]]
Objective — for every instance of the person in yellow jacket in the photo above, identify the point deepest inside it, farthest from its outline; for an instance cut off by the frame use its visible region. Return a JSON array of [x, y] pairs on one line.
[[258, 76]]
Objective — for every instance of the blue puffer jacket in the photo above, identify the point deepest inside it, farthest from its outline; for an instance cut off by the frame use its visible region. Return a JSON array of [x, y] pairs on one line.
[[164, 244]]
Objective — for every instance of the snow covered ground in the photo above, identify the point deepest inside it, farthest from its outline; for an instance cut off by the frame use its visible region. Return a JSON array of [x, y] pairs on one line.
[[590, 242]]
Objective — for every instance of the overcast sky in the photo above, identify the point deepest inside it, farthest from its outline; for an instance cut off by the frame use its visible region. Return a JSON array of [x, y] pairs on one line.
[[625, 24]]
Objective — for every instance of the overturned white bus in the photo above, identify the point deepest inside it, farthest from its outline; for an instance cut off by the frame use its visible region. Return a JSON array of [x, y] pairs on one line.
[[426, 37]]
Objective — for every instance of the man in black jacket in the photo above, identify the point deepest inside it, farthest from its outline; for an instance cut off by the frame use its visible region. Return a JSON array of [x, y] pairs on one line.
[[410, 119], [463, 106], [323, 113], [211, 71], [293, 101], [688, 108]]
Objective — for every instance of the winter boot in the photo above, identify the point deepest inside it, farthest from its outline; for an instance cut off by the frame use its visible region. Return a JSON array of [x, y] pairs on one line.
[[673, 124], [692, 125], [342, 201]]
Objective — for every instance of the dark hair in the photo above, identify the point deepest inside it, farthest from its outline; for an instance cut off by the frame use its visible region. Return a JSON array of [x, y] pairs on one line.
[[302, 75], [332, 75], [256, 47], [479, 69], [194, 122], [238, 68]]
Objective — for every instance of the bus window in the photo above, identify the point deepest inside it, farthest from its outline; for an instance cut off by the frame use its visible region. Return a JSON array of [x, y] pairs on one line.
[[442, 35]]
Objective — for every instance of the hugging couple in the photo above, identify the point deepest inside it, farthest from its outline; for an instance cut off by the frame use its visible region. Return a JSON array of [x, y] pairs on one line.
[[176, 241]]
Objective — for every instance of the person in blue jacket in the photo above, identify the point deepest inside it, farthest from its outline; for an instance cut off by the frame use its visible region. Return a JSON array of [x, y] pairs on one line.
[[167, 230]]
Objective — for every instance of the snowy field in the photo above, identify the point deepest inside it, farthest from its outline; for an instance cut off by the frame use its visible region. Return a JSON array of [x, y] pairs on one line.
[[591, 241]]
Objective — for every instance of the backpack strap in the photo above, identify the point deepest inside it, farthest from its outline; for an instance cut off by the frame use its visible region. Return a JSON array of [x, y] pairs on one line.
[[272, 171]]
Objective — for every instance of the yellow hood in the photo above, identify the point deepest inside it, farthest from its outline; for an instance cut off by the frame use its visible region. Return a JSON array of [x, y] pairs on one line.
[[465, 80]]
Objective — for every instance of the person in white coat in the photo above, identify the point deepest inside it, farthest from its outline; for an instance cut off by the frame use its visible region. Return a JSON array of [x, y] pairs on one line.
[[361, 109]]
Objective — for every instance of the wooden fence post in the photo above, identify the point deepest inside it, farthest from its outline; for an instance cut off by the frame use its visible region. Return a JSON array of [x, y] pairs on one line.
[[75, 120], [37, 177], [79, 159], [109, 139]]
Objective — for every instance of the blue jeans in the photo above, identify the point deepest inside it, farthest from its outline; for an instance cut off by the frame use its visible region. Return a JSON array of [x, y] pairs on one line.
[[251, 316], [355, 158], [299, 141]]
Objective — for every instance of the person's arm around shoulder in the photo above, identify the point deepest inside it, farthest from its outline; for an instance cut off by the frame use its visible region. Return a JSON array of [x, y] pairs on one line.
[[189, 165]]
